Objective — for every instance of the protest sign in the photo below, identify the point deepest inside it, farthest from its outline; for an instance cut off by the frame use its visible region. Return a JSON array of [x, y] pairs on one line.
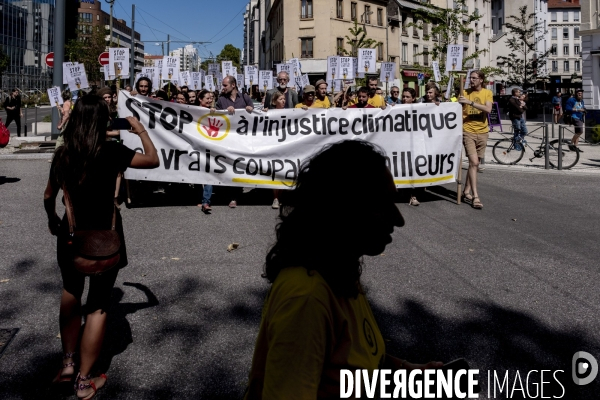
[[170, 69], [304, 79], [333, 66], [106, 71], [213, 69], [153, 74], [275, 83], [196, 80], [158, 64], [422, 143], [454, 57], [184, 78], [118, 62], [66, 66], [240, 81], [265, 80], [55, 96], [209, 83], [226, 68], [436, 71], [367, 60], [296, 70], [284, 67], [450, 87], [140, 75], [388, 72], [251, 75], [77, 78], [468, 79], [358, 73], [347, 67]]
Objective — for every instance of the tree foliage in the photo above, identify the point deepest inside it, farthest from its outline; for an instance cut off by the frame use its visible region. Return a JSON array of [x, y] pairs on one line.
[[228, 53], [524, 66], [4, 62], [358, 40], [86, 49]]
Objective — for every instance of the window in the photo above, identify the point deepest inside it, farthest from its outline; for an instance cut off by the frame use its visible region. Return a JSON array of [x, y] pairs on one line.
[[477, 38], [553, 16], [465, 37], [553, 50], [367, 15], [425, 56], [554, 33], [576, 49], [340, 9], [353, 11], [577, 65], [340, 46], [415, 28], [415, 53], [576, 16], [425, 29], [565, 33], [566, 66], [404, 19], [565, 16], [380, 51], [380, 16], [566, 50], [554, 66], [306, 10], [404, 53], [307, 47], [576, 32]]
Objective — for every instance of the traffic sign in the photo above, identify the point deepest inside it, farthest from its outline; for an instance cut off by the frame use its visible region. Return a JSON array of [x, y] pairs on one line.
[[50, 60], [103, 58]]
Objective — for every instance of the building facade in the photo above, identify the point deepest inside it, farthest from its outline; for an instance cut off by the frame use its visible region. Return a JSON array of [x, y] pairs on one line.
[[27, 36], [590, 55], [251, 52], [565, 56], [188, 58]]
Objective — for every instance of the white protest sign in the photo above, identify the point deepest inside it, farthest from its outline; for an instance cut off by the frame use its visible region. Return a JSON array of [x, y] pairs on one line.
[[158, 64], [468, 79], [296, 71], [454, 58], [450, 87], [286, 68], [388, 72], [106, 72], [66, 66], [76, 78], [357, 72], [251, 74], [367, 60], [55, 96], [240, 81], [209, 83], [297, 82], [275, 83], [337, 85], [347, 67], [196, 80], [423, 143], [304, 79], [184, 78], [152, 74], [170, 69], [333, 65], [118, 61], [436, 71], [226, 68], [213, 69], [265, 80], [234, 71]]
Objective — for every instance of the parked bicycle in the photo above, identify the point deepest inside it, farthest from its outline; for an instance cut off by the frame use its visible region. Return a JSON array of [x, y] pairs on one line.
[[511, 151]]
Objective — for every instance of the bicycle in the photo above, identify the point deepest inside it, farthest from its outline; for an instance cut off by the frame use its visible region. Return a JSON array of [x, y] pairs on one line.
[[511, 151]]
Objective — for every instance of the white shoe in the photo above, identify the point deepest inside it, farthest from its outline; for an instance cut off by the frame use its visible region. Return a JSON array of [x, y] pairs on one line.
[[275, 204]]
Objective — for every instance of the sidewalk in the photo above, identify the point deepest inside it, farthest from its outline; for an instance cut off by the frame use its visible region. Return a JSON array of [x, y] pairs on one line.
[[589, 160]]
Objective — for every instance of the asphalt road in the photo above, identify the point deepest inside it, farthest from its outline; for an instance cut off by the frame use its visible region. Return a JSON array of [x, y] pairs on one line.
[[513, 287], [28, 117]]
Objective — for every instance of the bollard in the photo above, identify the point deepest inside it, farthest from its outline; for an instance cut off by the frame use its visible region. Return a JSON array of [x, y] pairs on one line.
[[553, 131], [25, 124], [560, 139], [36, 120], [547, 145]]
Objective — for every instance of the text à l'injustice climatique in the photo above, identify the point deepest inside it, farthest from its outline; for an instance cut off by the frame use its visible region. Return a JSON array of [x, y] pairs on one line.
[[403, 164]]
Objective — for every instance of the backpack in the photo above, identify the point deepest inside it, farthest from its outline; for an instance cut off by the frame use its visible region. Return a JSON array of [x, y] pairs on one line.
[[4, 134]]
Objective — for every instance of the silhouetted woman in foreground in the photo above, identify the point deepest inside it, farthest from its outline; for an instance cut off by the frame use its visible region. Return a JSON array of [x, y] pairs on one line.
[[316, 319], [87, 166]]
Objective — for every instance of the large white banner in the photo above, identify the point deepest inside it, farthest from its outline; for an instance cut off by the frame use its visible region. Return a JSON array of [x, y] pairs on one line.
[[422, 141]]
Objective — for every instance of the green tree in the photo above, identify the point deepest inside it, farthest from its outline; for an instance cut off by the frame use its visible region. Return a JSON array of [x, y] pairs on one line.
[[229, 53], [523, 65], [358, 40], [449, 26]]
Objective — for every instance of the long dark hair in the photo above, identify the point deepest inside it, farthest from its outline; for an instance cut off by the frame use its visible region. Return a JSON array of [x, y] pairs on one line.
[[84, 136], [314, 236]]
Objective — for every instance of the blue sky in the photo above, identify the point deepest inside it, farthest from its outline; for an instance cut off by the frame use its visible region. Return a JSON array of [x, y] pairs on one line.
[[220, 22]]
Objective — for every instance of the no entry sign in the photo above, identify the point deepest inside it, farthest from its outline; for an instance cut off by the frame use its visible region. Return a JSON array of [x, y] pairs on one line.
[[50, 60], [103, 58]]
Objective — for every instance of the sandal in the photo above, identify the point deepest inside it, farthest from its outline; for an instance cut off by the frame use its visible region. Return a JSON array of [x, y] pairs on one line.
[[467, 196], [83, 386], [62, 378], [477, 203]]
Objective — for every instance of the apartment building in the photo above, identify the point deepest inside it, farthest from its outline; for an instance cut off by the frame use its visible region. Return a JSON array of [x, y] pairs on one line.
[[189, 60], [314, 29], [590, 57], [250, 52], [565, 57]]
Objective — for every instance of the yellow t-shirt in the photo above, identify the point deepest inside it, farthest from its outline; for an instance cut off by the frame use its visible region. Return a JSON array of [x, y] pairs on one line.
[[474, 120], [376, 101], [299, 105], [321, 103], [307, 334]]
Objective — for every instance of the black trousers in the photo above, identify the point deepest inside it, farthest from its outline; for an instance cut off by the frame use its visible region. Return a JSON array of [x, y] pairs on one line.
[[10, 117]]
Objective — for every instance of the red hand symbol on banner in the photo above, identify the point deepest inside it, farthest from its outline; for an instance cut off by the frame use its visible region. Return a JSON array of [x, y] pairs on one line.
[[213, 127]]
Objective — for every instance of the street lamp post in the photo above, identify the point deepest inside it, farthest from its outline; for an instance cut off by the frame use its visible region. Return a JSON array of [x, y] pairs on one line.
[[110, 26]]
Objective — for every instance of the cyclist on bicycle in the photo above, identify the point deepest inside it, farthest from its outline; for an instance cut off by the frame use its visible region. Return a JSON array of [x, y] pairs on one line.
[[576, 108]]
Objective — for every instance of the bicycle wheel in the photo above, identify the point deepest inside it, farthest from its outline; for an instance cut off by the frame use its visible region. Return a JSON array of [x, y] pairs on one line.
[[505, 153], [570, 156]]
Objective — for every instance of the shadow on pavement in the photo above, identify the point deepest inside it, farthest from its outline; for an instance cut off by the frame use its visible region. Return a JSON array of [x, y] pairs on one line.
[[4, 179]]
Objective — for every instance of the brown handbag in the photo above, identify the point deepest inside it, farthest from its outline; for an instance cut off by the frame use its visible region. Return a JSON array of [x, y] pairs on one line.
[[93, 251]]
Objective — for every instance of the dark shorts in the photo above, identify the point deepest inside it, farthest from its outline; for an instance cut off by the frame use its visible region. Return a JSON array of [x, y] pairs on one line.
[[578, 124]]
